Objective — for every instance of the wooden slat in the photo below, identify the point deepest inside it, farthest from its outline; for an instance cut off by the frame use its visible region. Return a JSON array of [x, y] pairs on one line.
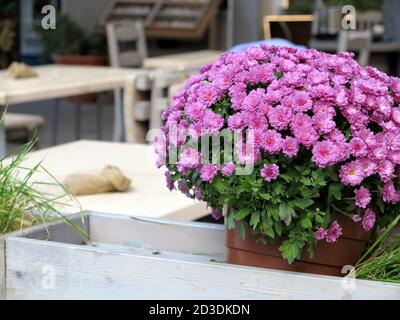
[[95, 273], [186, 237]]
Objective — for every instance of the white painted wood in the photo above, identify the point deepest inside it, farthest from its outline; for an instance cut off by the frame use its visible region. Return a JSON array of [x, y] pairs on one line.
[[124, 31], [82, 272], [57, 81], [159, 94], [56, 231], [135, 160], [188, 237], [355, 38], [182, 61]]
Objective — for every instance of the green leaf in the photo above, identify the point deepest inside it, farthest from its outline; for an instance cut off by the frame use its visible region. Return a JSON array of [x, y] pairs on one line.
[[306, 192], [335, 190], [242, 213], [286, 177], [290, 251], [302, 203], [278, 228], [306, 223], [220, 185], [278, 188], [242, 230], [266, 196], [286, 212], [273, 211], [255, 220], [270, 232], [306, 181], [230, 221]]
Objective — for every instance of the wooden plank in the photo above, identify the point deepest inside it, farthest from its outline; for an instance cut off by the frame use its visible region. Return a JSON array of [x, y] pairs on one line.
[[188, 237], [78, 272], [55, 231], [55, 81]]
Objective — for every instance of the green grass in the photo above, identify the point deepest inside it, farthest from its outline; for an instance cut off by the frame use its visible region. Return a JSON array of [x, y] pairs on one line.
[[22, 204], [381, 262]]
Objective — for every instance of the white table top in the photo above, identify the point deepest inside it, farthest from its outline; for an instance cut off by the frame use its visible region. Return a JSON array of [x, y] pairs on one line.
[[56, 81], [148, 196], [182, 61]]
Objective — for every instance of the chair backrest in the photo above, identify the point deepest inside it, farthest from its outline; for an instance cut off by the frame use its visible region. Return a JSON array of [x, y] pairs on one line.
[[295, 28], [358, 41], [160, 98], [130, 35], [368, 19]]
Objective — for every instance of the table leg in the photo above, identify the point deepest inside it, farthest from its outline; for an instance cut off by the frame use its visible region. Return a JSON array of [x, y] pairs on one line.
[[118, 117], [78, 118], [56, 112], [3, 140], [99, 115]]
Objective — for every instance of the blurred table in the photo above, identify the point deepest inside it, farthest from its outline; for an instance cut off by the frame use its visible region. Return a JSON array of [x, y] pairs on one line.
[[148, 195], [182, 61], [59, 81]]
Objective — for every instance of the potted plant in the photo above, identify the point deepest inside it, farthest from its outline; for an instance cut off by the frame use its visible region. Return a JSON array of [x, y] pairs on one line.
[[69, 44], [299, 150]]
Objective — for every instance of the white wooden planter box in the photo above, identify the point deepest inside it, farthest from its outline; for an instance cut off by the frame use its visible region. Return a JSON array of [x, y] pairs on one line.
[[141, 258]]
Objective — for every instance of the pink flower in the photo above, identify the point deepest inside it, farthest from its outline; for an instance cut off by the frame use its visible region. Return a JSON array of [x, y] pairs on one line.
[[212, 122], [302, 101], [356, 218], [169, 181], [321, 233], [385, 170], [334, 232], [396, 115], [216, 214], [369, 220], [188, 159], [208, 172], [228, 169], [363, 197], [358, 147], [279, 117], [324, 123], [325, 153], [270, 172], [390, 194], [351, 174], [290, 147], [271, 141]]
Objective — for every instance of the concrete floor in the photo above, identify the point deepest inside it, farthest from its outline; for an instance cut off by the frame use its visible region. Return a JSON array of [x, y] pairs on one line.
[[66, 131]]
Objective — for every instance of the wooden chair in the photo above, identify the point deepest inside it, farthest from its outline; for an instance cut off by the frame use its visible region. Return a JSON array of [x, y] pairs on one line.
[[22, 128], [126, 44], [349, 39], [127, 48], [164, 85], [295, 28]]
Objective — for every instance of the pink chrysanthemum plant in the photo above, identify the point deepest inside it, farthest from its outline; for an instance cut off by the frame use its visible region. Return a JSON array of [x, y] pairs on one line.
[[314, 136]]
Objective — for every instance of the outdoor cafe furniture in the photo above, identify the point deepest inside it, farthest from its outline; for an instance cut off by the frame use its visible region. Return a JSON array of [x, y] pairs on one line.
[[59, 81]]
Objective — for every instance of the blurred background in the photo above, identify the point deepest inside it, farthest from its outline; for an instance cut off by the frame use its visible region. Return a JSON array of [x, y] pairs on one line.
[[181, 26]]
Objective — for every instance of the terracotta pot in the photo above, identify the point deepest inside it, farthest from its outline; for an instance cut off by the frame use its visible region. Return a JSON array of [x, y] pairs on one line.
[[82, 60], [329, 258]]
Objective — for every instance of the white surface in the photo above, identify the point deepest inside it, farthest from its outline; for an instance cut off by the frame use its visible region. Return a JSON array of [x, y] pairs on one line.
[[121, 269], [148, 196]]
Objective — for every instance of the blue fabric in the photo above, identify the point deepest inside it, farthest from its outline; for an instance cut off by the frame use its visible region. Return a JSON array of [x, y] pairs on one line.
[[279, 42]]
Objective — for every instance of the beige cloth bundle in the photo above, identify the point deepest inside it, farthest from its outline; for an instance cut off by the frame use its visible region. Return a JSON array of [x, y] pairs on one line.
[[109, 179], [18, 70]]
